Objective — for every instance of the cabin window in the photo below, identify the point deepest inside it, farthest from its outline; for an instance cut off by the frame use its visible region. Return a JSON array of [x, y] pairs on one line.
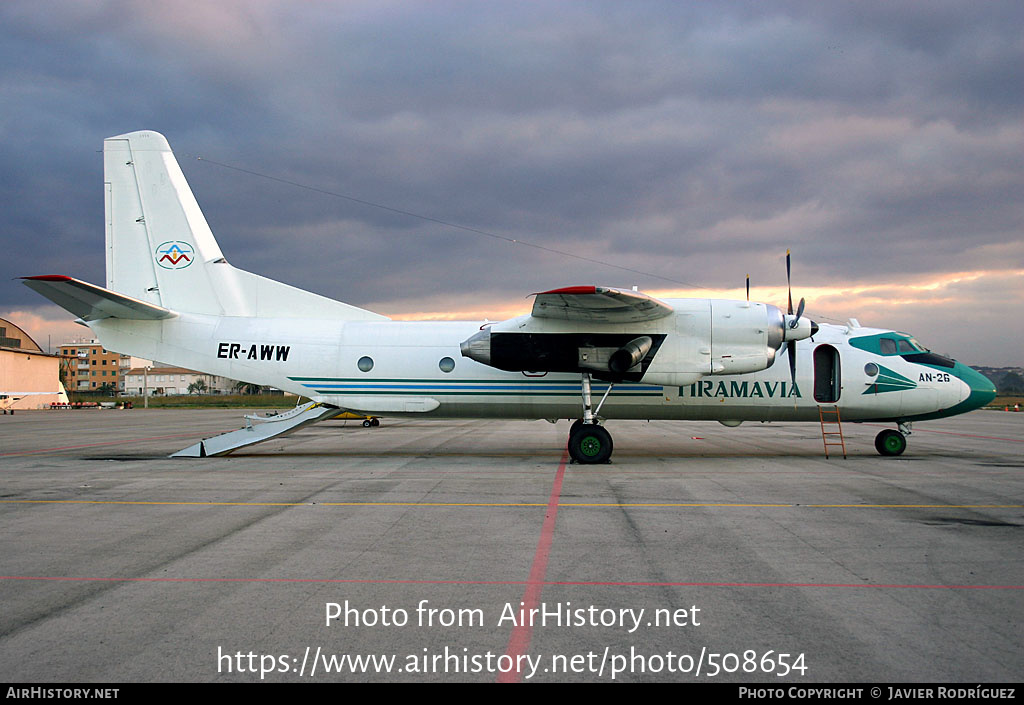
[[365, 363], [446, 364]]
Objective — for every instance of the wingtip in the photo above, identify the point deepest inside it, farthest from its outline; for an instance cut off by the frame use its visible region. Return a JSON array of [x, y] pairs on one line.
[[569, 290], [50, 278]]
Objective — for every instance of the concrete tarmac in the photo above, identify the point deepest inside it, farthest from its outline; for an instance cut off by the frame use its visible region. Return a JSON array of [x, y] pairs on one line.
[[701, 553]]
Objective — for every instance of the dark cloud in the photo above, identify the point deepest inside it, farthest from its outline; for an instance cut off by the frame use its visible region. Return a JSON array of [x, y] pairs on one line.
[[695, 141]]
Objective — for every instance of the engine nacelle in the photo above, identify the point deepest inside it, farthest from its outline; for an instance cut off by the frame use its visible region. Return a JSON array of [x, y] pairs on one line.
[[744, 337], [702, 337]]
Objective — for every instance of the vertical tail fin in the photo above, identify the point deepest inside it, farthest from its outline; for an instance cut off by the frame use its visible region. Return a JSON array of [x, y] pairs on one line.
[[160, 249], [158, 241]]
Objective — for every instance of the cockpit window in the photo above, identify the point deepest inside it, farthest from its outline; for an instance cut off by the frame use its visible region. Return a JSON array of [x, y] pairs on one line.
[[889, 343]]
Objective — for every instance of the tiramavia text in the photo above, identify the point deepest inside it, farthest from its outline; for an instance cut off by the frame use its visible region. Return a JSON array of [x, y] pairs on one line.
[[743, 390]]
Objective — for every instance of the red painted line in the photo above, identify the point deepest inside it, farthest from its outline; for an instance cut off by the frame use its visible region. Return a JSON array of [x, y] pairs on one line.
[[971, 435], [954, 433], [597, 583], [527, 583], [104, 443], [519, 641]]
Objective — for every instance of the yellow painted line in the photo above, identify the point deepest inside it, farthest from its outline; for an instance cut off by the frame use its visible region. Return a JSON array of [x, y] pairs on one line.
[[598, 505]]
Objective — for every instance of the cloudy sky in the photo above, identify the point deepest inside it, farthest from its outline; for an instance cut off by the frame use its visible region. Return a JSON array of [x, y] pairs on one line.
[[681, 145]]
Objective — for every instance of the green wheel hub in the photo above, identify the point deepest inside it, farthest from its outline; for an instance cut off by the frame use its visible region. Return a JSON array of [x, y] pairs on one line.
[[590, 446], [590, 443], [890, 442]]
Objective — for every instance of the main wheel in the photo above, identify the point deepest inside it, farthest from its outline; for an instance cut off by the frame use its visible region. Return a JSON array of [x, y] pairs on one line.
[[575, 426], [367, 423], [590, 444], [890, 442], [375, 422]]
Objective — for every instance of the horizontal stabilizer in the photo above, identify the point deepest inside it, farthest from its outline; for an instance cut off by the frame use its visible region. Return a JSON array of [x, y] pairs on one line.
[[90, 302], [598, 304]]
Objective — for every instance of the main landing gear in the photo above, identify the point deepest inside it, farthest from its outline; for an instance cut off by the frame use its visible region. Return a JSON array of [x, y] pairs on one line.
[[890, 442], [588, 442]]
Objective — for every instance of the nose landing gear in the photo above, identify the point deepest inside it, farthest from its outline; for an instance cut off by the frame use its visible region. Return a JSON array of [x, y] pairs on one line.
[[890, 442]]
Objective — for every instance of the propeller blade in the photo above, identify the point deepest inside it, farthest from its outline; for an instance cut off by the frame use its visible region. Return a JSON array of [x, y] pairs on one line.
[[748, 288], [789, 283], [791, 348]]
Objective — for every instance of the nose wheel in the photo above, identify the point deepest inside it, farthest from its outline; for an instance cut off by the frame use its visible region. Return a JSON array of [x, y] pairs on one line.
[[890, 442]]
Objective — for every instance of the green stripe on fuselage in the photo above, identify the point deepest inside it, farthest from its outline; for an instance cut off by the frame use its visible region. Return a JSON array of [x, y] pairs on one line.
[[890, 381]]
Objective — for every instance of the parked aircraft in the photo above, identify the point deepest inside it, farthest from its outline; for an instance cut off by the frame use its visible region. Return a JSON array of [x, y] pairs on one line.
[[8, 398], [589, 353]]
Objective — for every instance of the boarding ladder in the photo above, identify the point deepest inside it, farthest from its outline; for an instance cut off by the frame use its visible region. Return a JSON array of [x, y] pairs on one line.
[[830, 415], [264, 428]]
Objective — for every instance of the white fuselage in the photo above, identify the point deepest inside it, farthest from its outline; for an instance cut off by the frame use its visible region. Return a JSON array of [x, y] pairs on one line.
[[320, 359], [172, 296]]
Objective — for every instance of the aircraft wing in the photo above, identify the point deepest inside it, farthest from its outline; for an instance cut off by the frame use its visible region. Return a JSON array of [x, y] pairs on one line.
[[90, 302], [598, 304], [25, 394]]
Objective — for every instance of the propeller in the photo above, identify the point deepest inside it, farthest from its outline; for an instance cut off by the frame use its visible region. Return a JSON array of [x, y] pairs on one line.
[[794, 322]]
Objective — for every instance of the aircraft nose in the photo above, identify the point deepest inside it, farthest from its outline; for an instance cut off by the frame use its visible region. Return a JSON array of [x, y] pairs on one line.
[[982, 391]]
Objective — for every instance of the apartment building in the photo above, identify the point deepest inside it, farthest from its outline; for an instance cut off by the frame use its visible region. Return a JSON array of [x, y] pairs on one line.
[[162, 380], [86, 366]]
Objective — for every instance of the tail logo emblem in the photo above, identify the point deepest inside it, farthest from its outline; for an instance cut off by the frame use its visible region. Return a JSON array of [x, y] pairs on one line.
[[175, 254]]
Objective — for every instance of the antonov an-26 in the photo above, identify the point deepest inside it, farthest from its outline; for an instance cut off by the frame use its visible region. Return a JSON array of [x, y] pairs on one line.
[[588, 353]]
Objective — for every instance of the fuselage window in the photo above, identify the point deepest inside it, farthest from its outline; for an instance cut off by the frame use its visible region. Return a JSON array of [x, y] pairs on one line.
[[365, 363], [446, 364]]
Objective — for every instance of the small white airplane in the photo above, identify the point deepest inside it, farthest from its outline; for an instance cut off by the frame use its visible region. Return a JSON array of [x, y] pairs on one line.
[[172, 296], [8, 398]]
